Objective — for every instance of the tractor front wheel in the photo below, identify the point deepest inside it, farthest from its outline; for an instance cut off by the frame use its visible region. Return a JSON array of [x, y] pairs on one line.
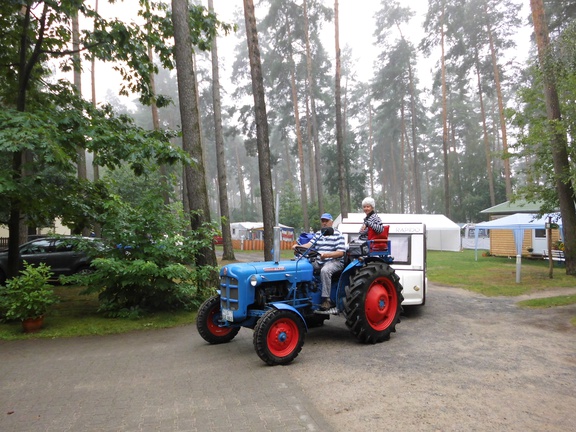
[[208, 323], [373, 303], [279, 336]]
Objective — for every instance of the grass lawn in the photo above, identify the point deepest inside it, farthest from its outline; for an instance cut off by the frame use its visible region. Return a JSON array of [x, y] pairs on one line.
[[494, 276], [76, 315]]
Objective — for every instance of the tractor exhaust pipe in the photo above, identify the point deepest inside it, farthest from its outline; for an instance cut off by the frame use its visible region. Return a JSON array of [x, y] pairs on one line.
[[277, 233]]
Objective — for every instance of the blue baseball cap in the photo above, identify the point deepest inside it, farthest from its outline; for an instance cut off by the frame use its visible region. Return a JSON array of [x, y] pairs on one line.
[[326, 216]]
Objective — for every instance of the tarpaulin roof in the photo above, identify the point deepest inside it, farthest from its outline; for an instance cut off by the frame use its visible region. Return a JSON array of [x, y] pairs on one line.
[[518, 223]]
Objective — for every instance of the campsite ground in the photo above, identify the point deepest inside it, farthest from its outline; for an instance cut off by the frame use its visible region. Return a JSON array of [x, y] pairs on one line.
[[462, 362]]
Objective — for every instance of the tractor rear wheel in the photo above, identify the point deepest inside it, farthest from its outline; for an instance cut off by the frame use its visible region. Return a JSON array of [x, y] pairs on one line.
[[373, 301], [279, 336], [208, 323]]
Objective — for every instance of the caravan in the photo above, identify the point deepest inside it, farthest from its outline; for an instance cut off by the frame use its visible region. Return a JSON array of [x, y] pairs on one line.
[[408, 247]]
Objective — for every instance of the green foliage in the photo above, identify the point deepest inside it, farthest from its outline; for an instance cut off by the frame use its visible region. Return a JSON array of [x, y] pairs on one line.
[[27, 295], [290, 207], [52, 131], [535, 131], [148, 265]]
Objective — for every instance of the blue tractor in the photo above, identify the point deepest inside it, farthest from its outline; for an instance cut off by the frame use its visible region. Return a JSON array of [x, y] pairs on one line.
[[280, 300]]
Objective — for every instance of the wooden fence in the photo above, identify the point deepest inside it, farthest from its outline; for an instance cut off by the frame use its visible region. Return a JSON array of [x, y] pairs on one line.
[[258, 244]]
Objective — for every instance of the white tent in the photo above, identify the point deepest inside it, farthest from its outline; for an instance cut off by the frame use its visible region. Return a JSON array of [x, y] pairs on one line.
[[517, 223], [441, 233], [255, 230]]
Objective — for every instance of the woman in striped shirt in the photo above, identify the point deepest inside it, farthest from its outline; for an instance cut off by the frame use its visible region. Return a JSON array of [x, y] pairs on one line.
[[372, 220]]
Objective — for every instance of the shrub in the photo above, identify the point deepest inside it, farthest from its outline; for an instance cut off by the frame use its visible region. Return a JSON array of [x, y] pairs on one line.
[[149, 263], [28, 295]]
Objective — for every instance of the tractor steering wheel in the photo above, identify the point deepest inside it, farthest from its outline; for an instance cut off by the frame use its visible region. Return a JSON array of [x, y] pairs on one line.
[[310, 253]]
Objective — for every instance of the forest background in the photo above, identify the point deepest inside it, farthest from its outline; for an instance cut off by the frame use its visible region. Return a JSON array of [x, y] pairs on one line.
[[392, 108]]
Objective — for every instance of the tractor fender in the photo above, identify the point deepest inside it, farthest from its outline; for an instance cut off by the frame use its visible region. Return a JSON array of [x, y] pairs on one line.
[[284, 306]]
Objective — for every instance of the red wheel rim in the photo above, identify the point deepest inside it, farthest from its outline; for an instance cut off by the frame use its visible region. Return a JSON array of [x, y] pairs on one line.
[[381, 304], [283, 337], [212, 323]]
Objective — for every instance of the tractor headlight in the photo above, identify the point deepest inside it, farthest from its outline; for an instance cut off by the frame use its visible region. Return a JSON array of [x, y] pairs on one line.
[[253, 280]]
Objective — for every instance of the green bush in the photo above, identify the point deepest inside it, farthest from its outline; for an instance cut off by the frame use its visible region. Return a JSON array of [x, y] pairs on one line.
[[149, 262], [28, 295]]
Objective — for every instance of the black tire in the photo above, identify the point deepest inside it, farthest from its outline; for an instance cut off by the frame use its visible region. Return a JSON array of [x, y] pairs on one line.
[[207, 323], [373, 303], [279, 336]]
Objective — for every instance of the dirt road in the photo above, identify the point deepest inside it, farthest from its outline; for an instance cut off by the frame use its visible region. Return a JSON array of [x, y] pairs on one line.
[[463, 362]]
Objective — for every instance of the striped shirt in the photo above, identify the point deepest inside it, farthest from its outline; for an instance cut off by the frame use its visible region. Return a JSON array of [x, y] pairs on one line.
[[372, 221], [332, 243]]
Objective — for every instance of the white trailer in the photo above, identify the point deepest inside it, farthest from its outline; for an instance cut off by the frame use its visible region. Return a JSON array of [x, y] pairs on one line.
[[407, 244]]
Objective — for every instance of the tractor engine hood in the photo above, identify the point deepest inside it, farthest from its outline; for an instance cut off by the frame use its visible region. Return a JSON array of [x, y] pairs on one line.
[[268, 271]]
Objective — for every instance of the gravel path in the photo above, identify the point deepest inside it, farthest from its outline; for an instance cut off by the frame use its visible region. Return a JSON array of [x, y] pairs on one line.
[[463, 362]]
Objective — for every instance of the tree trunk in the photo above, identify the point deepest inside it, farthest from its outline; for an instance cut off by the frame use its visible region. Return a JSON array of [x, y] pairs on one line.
[[447, 206], [558, 138], [416, 164], [81, 153], [339, 137], [191, 139], [228, 250], [370, 149], [80, 150], [156, 126], [241, 189], [315, 138], [485, 132], [506, 160], [310, 148], [262, 138], [16, 220], [403, 176]]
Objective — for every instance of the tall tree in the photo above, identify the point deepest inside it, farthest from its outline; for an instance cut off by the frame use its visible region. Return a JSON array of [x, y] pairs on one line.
[[302, 164], [397, 58], [494, 56], [262, 138], [313, 117], [342, 188], [447, 207], [81, 163], [56, 118], [191, 138], [228, 252], [558, 137]]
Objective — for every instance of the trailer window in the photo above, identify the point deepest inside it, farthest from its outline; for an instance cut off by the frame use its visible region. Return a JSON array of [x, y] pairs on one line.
[[400, 248]]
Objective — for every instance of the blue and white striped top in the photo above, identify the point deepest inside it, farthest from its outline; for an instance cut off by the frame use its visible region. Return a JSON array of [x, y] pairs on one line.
[[332, 243], [373, 221]]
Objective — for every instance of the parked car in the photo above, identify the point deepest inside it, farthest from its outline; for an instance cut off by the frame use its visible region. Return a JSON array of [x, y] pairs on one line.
[[62, 254]]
